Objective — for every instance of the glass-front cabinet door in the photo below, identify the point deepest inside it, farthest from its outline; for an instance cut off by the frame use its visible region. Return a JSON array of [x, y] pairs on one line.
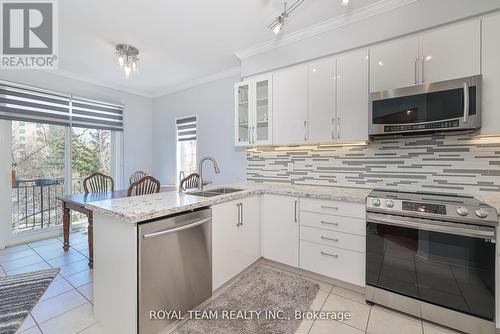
[[253, 105], [242, 111], [263, 103]]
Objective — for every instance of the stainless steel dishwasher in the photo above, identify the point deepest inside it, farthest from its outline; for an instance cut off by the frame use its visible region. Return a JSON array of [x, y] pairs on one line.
[[175, 266]]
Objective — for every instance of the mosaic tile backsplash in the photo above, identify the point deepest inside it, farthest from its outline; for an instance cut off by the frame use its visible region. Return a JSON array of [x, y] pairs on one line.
[[452, 163]]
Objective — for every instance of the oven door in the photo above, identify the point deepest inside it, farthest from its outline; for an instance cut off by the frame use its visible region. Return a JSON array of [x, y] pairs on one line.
[[441, 263], [447, 105]]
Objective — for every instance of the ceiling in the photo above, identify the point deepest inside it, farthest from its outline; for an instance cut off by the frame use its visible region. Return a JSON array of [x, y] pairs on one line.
[[180, 41]]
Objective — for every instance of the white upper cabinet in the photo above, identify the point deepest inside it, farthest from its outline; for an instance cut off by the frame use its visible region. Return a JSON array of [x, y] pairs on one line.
[[242, 113], [394, 64], [290, 106], [262, 121], [321, 111], [352, 96], [451, 52], [442, 54], [491, 76], [253, 111]]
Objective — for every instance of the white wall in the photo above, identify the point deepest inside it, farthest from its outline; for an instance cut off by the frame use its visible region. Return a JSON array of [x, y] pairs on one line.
[[417, 16], [5, 182], [213, 104], [137, 135]]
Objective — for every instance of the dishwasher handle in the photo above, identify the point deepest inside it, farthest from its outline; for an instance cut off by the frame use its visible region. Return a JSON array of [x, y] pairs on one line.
[[177, 229]]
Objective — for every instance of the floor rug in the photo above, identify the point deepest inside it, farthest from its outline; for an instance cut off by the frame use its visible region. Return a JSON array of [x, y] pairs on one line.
[[261, 289], [19, 294]]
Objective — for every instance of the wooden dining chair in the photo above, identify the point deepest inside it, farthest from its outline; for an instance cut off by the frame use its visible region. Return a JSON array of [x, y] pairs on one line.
[[98, 183], [137, 176], [191, 181], [146, 185]]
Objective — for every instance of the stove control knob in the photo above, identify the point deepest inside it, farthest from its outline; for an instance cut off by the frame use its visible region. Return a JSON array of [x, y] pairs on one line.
[[481, 213], [376, 202], [389, 204], [462, 211]]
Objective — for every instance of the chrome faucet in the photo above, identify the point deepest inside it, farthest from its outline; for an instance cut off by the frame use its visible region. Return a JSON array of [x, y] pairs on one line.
[[182, 175], [200, 170]]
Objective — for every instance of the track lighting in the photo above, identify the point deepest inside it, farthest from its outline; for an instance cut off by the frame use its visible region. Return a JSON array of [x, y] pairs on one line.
[[277, 25]]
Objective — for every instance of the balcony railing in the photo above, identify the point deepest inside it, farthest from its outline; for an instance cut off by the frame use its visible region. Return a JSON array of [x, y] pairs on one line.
[[35, 205]]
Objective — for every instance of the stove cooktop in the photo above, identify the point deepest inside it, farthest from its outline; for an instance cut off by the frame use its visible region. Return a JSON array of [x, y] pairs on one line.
[[451, 207]]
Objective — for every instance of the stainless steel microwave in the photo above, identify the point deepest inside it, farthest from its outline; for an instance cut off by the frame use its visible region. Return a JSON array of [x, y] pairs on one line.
[[441, 106]]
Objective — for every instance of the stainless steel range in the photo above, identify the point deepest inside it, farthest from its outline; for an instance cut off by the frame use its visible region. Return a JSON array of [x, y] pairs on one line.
[[433, 256]]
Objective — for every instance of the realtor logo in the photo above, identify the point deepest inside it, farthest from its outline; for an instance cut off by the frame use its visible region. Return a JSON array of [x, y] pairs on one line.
[[29, 34]]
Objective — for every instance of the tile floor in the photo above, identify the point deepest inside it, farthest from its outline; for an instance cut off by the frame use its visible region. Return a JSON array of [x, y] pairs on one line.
[[67, 305]]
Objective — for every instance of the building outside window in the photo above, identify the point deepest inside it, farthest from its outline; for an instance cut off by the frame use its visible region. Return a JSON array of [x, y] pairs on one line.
[[186, 145]]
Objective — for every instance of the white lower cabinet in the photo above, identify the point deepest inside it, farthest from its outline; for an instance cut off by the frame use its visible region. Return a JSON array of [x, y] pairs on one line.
[[235, 238], [280, 229], [333, 239], [338, 263]]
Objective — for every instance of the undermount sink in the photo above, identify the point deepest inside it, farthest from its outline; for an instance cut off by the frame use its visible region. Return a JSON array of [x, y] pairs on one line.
[[214, 192], [225, 190]]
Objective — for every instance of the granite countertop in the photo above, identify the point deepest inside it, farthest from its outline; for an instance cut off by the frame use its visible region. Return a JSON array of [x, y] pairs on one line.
[[142, 208], [492, 200]]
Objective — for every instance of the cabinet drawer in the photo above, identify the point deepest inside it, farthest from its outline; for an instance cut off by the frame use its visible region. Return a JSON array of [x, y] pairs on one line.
[[333, 223], [341, 264], [347, 209], [331, 238]]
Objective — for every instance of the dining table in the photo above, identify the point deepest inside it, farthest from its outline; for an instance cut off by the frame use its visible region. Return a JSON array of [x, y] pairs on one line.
[[77, 202]]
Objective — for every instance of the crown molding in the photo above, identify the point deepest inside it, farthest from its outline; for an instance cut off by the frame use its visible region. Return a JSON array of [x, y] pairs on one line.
[[334, 23], [74, 76], [198, 82]]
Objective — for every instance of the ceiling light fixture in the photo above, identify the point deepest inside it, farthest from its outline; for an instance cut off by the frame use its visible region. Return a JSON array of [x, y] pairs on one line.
[[345, 2], [277, 25], [127, 58]]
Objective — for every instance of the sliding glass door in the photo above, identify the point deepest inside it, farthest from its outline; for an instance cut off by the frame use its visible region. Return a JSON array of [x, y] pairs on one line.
[[91, 152], [37, 175], [39, 152]]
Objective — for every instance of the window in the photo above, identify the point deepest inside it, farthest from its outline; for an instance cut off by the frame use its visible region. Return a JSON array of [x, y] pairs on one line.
[[186, 145], [47, 129]]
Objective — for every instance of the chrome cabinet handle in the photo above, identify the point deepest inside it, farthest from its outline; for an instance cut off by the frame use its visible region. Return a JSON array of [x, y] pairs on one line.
[[238, 205], [330, 239], [333, 127], [305, 130], [178, 229], [328, 254], [415, 63], [330, 207], [241, 213], [329, 223], [295, 212], [338, 127], [423, 60], [466, 102]]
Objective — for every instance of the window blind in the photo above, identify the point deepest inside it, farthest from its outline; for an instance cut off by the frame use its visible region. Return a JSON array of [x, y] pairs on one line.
[[21, 103], [96, 115], [30, 104], [186, 128]]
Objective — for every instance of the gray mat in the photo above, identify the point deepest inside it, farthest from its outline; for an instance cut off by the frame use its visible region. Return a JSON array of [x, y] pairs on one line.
[[19, 294], [261, 289]]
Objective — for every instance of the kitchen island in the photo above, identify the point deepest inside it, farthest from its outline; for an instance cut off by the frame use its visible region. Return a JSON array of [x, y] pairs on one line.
[[262, 220], [116, 238]]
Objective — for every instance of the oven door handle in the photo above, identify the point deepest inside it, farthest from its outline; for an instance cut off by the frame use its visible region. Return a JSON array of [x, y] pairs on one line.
[[433, 226]]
